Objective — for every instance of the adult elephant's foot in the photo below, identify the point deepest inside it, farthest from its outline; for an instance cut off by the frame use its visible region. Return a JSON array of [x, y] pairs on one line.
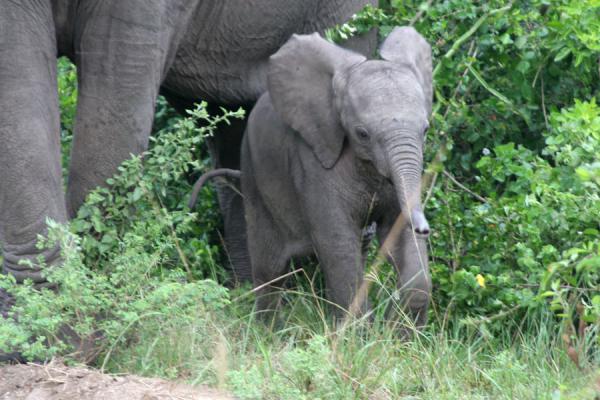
[[14, 255]]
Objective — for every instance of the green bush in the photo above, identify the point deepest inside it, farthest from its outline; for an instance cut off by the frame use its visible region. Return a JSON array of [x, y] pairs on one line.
[[152, 191], [133, 253], [116, 307], [536, 238]]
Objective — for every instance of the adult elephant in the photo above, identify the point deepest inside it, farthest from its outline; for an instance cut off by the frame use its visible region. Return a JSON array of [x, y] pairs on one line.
[[126, 53]]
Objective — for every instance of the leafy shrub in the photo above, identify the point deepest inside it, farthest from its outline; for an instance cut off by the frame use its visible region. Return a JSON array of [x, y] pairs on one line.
[[112, 306], [124, 259], [154, 188], [535, 238]]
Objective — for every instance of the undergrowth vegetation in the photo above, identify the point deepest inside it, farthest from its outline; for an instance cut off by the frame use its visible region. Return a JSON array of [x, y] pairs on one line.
[[514, 203]]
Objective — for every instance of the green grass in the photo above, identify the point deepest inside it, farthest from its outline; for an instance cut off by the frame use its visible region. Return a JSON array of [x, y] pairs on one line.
[[306, 358]]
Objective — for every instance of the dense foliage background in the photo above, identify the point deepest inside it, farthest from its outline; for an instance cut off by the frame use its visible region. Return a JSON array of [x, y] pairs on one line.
[[515, 252], [516, 208]]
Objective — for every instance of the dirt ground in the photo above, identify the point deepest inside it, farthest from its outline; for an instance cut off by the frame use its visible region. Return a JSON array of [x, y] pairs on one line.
[[58, 382]]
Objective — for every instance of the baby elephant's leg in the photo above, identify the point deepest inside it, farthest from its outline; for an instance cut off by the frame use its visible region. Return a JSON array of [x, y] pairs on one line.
[[268, 259], [409, 257], [340, 255], [268, 266], [414, 282]]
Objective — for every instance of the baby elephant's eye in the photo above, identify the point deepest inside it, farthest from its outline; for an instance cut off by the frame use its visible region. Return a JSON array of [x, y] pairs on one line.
[[362, 133]]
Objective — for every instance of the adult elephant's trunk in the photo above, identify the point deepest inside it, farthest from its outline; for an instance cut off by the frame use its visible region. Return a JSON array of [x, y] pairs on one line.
[[406, 163]]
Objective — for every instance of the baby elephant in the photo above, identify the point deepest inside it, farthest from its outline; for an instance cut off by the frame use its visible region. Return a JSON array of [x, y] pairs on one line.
[[335, 144]]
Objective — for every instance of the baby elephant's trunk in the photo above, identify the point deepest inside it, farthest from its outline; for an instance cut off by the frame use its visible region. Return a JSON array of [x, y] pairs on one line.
[[230, 173], [418, 220], [406, 176]]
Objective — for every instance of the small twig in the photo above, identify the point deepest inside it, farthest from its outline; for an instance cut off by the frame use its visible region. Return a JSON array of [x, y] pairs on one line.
[[537, 74], [463, 187], [418, 15], [471, 53], [539, 70], [544, 102], [497, 316], [259, 287], [470, 33], [430, 190], [465, 36], [538, 285], [49, 376], [453, 261], [490, 89]]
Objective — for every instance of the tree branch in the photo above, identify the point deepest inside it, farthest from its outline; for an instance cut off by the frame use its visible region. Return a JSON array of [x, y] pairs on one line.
[[463, 187]]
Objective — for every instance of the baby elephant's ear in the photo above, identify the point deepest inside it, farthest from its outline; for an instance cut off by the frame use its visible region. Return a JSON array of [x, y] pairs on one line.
[[300, 84], [407, 47]]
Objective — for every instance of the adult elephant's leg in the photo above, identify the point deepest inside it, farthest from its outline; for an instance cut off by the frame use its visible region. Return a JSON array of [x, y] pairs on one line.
[[122, 51], [225, 147], [31, 187]]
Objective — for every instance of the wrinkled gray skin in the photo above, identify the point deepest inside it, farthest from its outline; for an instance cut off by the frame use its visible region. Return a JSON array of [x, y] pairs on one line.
[[336, 144], [126, 52]]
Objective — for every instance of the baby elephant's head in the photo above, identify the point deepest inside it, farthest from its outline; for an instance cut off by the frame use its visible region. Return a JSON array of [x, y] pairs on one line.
[[330, 95]]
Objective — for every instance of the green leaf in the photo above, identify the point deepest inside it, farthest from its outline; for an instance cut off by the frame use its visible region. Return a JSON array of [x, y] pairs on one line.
[[562, 54]]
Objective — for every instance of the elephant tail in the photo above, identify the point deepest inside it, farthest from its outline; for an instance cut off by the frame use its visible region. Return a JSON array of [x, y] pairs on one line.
[[230, 173]]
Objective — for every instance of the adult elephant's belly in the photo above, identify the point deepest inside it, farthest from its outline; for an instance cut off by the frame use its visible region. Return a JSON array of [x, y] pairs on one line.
[[223, 56]]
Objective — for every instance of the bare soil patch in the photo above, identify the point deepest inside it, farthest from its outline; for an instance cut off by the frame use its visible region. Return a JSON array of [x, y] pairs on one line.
[[56, 381]]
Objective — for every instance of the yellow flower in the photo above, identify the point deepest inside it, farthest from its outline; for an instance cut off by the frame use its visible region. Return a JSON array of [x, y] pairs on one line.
[[480, 280]]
